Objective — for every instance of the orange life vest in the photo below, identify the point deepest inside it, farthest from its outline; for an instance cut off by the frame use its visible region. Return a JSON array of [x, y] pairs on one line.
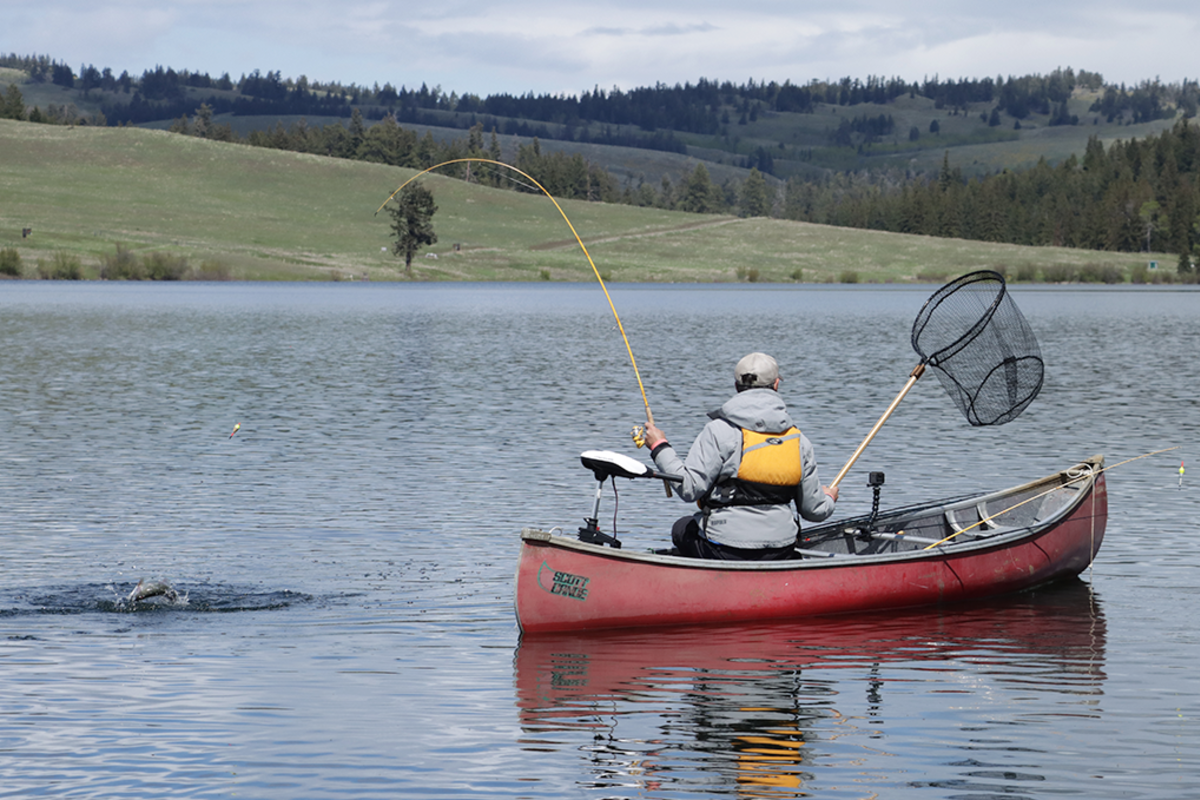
[[769, 473]]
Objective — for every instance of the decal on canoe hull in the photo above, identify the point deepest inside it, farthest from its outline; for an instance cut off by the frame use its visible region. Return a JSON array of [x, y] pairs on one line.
[[563, 584]]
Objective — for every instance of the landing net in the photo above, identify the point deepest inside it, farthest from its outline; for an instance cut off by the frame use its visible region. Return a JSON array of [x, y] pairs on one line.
[[984, 351]]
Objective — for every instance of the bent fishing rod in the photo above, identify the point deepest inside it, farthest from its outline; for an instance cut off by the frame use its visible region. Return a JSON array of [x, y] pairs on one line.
[[638, 437]]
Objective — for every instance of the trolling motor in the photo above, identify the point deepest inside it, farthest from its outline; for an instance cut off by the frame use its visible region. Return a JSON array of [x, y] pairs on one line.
[[606, 464]]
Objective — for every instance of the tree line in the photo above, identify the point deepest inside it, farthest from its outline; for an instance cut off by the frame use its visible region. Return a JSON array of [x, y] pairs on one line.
[[1135, 195], [647, 117]]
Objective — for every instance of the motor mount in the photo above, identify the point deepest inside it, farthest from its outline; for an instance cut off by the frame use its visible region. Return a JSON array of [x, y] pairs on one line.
[[606, 464], [875, 483]]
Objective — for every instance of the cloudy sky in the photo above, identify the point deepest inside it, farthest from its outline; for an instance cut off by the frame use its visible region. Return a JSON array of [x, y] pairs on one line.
[[539, 46]]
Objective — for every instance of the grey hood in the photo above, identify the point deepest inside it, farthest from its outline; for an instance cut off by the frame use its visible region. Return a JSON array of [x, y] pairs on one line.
[[761, 410]]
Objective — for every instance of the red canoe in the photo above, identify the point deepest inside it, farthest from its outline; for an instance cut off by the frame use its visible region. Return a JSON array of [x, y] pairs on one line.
[[943, 552]]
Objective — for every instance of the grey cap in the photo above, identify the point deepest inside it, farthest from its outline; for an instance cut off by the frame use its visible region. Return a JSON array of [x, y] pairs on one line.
[[754, 371]]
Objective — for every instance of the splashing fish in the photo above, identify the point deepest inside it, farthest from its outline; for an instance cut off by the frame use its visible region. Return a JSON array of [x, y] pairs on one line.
[[147, 589]]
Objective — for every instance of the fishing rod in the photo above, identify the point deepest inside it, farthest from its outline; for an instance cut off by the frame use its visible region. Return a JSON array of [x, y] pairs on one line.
[[596, 272], [1051, 490], [639, 436]]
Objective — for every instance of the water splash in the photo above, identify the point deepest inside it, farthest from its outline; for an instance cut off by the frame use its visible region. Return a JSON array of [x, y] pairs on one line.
[[116, 599]]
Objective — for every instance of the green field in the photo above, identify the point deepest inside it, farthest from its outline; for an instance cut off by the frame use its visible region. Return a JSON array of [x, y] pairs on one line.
[[273, 215]]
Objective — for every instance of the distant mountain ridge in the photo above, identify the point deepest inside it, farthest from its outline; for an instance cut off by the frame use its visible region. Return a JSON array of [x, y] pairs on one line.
[[782, 129]]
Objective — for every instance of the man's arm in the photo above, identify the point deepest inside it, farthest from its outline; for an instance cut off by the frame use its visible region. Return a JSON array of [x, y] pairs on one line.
[[702, 468], [816, 502]]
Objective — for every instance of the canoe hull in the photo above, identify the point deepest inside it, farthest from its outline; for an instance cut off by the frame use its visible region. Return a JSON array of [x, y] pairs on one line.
[[563, 584]]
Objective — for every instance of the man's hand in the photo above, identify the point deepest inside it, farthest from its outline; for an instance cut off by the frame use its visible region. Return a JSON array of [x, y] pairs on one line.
[[654, 436], [833, 493]]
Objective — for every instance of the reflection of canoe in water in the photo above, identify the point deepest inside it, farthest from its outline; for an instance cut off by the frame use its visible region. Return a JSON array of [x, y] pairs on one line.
[[1055, 636], [794, 708], [1001, 542]]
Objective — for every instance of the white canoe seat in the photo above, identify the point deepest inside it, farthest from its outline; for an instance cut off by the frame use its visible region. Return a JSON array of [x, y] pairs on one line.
[[988, 526]]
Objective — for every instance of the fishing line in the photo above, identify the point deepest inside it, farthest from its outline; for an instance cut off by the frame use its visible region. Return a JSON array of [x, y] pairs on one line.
[[514, 182], [1082, 476], [596, 272]]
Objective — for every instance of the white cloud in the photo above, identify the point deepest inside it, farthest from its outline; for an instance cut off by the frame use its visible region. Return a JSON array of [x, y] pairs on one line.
[[533, 46]]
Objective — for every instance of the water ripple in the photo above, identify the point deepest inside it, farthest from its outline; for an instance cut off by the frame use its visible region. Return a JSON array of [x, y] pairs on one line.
[[345, 560]]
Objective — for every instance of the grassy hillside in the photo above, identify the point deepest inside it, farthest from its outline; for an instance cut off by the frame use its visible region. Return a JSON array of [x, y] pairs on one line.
[[267, 214], [627, 164], [800, 144]]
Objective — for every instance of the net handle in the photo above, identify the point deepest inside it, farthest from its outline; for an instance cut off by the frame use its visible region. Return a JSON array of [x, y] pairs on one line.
[[917, 372]]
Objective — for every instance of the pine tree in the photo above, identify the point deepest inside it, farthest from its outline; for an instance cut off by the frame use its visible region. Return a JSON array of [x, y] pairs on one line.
[[698, 194], [412, 222], [388, 143], [13, 105], [1184, 267], [475, 140], [427, 151], [755, 199], [358, 130], [667, 194], [202, 126]]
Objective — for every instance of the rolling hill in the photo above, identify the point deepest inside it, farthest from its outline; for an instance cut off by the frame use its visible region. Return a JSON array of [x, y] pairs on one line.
[[728, 127], [269, 214]]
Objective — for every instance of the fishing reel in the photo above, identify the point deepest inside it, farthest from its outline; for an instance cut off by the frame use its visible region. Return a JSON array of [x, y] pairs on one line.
[[639, 435], [639, 438]]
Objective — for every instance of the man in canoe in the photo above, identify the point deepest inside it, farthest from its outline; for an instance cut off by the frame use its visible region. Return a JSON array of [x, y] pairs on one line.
[[745, 469]]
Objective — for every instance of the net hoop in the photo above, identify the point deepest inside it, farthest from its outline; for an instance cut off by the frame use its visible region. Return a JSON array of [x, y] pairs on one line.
[[982, 349], [1019, 404], [938, 297]]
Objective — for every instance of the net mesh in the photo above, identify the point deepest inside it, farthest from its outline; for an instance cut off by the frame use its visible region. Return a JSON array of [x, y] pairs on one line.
[[983, 350]]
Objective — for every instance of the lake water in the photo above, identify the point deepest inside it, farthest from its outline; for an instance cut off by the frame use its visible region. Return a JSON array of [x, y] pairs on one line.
[[346, 558]]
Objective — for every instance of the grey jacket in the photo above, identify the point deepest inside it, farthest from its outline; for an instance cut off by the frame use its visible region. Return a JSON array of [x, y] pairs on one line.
[[716, 455]]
